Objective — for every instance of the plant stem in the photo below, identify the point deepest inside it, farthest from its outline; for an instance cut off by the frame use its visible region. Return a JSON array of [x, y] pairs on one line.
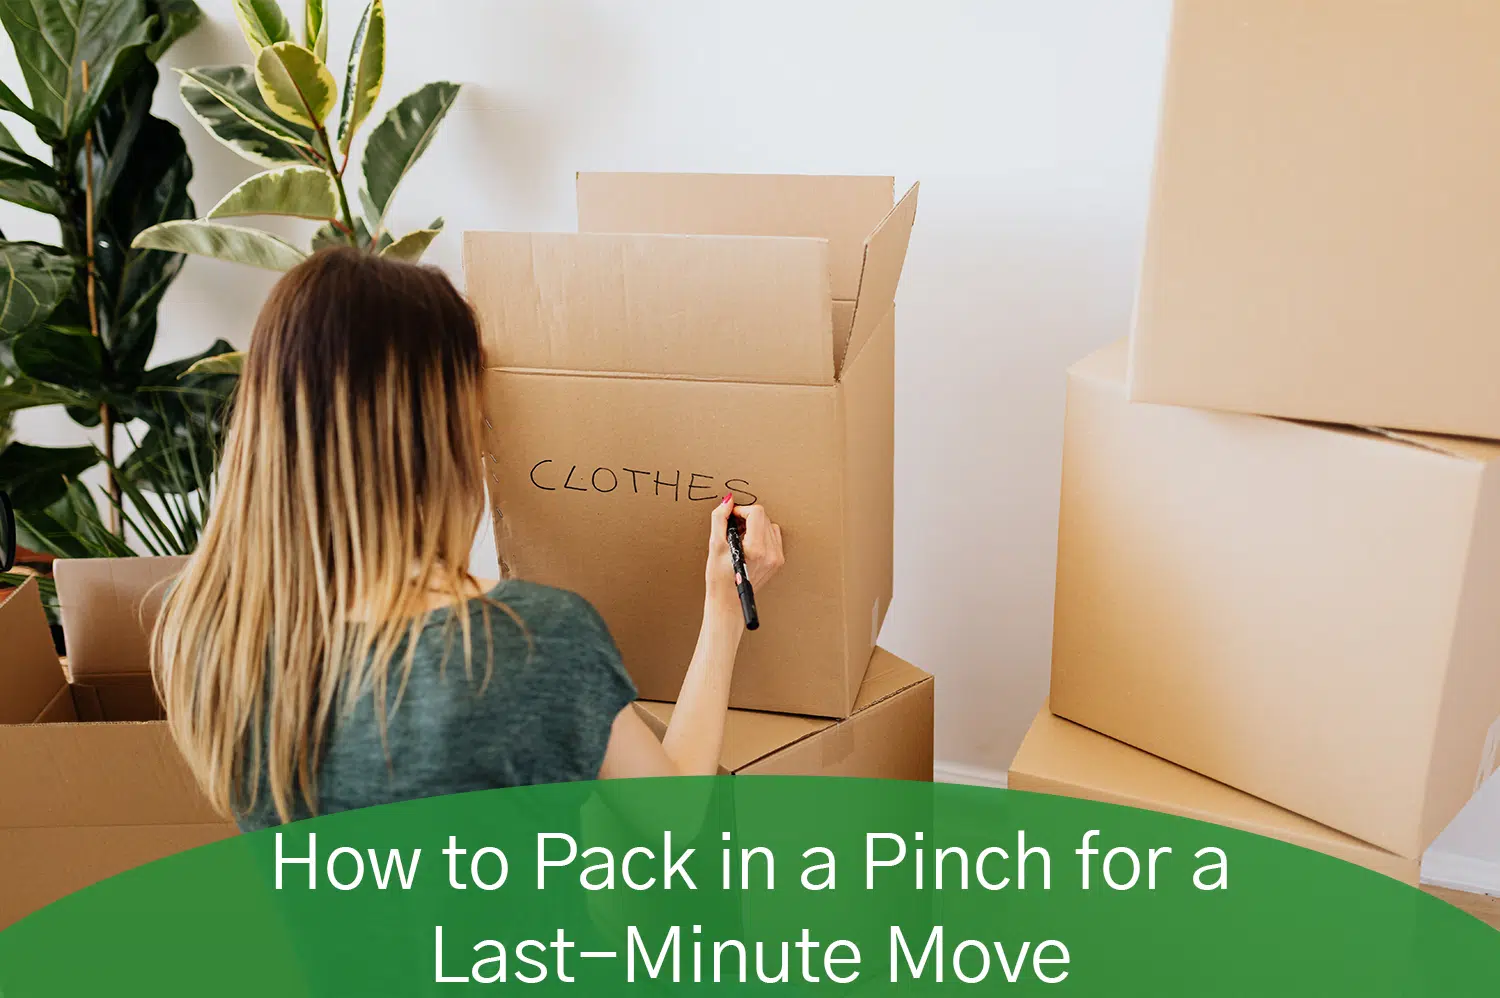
[[106, 417], [338, 182]]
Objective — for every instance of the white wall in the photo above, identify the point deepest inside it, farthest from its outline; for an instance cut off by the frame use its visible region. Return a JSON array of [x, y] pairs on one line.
[[1030, 125]]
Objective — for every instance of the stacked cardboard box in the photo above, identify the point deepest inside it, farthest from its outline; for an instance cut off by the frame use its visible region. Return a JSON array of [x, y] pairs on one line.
[[1265, 590], [701, 335], [888, 735]]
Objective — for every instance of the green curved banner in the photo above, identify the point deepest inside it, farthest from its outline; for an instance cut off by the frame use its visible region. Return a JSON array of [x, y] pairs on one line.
[[790, 885]]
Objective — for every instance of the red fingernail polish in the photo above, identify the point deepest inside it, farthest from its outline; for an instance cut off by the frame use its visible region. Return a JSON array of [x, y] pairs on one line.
[[727, 499]]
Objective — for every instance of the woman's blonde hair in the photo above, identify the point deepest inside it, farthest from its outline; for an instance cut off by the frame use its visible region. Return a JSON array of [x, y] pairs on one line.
[[350, 491]]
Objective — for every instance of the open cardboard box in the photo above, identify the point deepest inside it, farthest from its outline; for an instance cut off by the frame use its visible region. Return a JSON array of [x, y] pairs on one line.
[[889, 735], [1060, 757], [91, 784], [1308, 613], [702, 335]]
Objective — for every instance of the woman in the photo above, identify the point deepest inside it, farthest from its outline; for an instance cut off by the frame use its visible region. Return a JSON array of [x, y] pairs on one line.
[[326, 648]]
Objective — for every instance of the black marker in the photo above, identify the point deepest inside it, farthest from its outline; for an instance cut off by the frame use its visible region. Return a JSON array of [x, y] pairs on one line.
[[741, 577]]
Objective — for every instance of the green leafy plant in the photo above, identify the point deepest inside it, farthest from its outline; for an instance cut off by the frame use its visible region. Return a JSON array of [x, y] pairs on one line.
[[78, 320], [276, 113]]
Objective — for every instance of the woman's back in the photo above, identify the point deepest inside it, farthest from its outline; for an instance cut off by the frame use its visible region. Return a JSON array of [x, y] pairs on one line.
[[542, 715], [347, 500]]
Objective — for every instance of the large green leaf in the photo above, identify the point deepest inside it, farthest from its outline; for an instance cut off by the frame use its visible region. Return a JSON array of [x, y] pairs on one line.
[[15, 105], [174, 19], [365, 74], [262, 22], [227, 102], [411, 246], [315, 28], [53, 40], [224, 363], [27, 181], [60, 357], [36, 477], [295, 83], [36, 278], [69, 527], [24, 393], [299, 191], [145, 181], [222, 242], [400, 139], [31, 194]]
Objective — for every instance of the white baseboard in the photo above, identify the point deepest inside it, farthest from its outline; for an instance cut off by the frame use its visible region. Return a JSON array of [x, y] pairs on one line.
[[1461, 873], [1440, 869], [976, 776]]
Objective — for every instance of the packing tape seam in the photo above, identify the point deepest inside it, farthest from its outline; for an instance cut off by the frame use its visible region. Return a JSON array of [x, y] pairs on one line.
[[838, 745]]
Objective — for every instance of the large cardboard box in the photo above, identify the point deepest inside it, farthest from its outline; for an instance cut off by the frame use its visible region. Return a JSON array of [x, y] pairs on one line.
[[1308, 613], [701, 335], [1060, 757], [888, 736], [91, 784], [1321, 241]]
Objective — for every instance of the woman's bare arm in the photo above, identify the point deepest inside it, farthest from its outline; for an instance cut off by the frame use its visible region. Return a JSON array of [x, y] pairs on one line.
[[695, 736]]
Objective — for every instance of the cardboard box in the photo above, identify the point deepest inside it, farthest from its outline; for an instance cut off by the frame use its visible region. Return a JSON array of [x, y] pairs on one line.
[[703, 334], [1321, 241], [1308, 613], [91, 784], [1060, 757], [888, 736]]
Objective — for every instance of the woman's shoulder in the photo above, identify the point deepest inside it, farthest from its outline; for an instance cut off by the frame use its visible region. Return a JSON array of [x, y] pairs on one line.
[[547, 610], [563, 632]]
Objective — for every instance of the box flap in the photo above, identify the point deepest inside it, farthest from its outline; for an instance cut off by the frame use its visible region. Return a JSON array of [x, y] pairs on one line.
[[751, 735], [30, 677], [748, 734], [886, 676], [62, 708], [96, 774], [885, 253], [108, 608], [842, 210], [712, 307]]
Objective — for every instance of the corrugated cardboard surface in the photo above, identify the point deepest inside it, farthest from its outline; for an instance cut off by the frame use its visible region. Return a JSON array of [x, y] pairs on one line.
[[888, 736], [108, 608], [1320, 242], [869, 486], [841, 210], [1309, 614], [605, 486], [634, 392], [885, 255], [90, 787], [30, 678], [641, 304], [1060, 757]]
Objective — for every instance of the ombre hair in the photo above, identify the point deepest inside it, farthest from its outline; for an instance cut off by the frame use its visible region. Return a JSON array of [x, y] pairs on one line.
[[349, 495]]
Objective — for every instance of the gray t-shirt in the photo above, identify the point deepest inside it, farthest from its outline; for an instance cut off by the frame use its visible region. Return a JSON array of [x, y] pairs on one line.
[[544, 716]]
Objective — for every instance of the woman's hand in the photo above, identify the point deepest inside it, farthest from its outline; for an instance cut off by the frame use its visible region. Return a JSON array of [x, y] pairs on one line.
[[761, 540]]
